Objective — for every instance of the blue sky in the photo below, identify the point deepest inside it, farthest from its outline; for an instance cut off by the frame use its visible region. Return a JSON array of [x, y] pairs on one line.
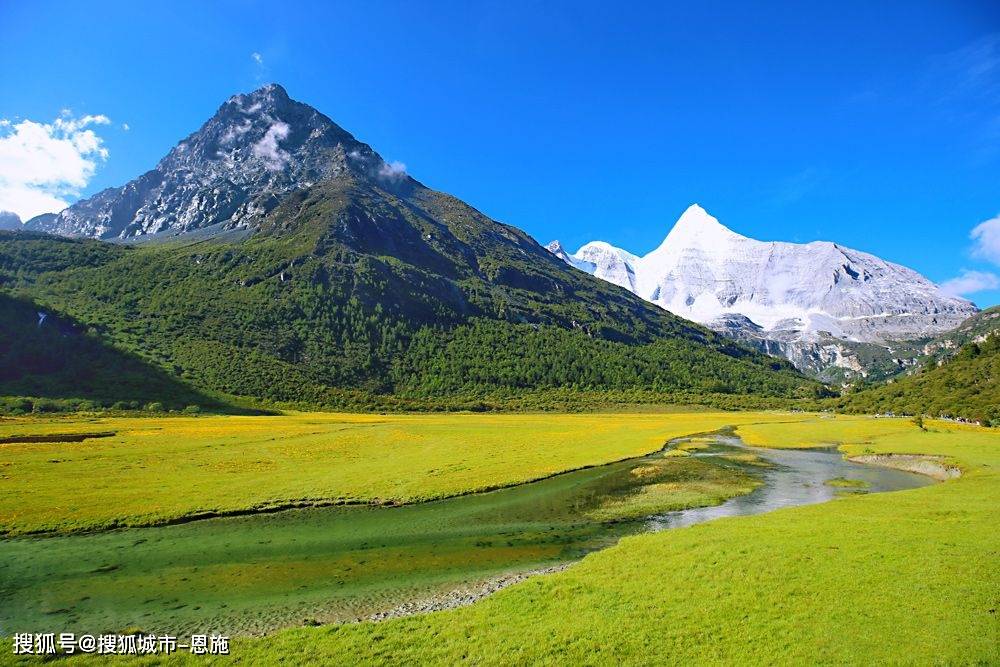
[[876, 125]]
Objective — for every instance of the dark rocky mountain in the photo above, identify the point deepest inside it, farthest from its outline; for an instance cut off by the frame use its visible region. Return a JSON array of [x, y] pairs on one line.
[[233, 171]]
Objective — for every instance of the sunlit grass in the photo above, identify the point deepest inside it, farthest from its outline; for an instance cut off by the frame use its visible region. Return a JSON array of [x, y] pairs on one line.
[[157, 470], [870, 579], [673, 483]]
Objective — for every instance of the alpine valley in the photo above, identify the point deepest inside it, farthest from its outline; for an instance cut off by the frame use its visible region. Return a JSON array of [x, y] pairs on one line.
[[834, 312], [278, 274], [272, 258], [274, 399]]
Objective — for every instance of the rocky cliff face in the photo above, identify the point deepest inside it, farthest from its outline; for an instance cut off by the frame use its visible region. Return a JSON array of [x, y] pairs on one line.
[[831, 310], [233, 171]]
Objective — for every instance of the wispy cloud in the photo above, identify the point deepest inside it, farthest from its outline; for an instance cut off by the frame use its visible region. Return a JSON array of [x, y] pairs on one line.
[[268, 149], [970, 282], [986, 240], [257, 58], [964, 85], [971, 71], [394, 171], [44, 164]]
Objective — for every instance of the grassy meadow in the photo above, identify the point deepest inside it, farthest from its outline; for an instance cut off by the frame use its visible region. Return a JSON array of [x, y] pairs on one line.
[[152, 471], [903, 577], [907, 577]]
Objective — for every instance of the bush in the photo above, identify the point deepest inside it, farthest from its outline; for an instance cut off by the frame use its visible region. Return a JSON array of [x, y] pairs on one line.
[[155, 406]]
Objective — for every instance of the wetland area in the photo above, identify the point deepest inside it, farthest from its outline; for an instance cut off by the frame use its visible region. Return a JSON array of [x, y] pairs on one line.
[[258, 573]]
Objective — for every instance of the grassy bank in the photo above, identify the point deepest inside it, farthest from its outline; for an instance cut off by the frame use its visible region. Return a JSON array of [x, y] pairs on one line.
[[259, 574], [147, 471], [909, 577]]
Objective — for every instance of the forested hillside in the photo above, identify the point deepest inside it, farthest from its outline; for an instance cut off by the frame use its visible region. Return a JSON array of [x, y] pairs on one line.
[[326, 277], [299, 315], [966, 385], [49, 363]]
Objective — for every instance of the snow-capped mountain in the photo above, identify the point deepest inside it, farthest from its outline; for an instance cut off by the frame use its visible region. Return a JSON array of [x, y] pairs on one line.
[[819, 304], [602, 260], [235, 169]]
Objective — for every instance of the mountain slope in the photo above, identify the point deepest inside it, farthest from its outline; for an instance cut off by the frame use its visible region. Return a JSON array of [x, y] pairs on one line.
[[967, 386], [9, 221], [354, 282], [818, 304], [958, 375], [976, 329], [48, 362]]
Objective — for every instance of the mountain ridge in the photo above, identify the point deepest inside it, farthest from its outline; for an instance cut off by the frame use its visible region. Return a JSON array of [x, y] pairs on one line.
[[817, 304], [355, 286], [255, 149]]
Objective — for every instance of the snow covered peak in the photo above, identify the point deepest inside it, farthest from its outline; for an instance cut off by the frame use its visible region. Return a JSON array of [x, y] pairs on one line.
[[556, 248], [705, 272], [697, 228], [602, 260], [597, 250]]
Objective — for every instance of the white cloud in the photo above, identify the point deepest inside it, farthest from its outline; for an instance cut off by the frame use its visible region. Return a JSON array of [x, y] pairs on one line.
[[44, 164], [268, 149], [986, 236], [394, 171], [970, 282], [126, 127], [257, 58], [234, 132]]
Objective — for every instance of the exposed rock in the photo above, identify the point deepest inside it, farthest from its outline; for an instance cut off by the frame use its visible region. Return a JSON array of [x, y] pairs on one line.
[[232, 172]]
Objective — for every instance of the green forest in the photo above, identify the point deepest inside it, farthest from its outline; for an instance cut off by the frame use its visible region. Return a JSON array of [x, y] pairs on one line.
[[966, 386], [316, 313]]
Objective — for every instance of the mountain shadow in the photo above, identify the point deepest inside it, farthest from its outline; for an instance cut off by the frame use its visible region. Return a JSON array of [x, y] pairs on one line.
[[49, 361]]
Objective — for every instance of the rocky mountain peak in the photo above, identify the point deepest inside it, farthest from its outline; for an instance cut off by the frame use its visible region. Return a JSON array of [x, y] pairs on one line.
[[9, 221], [231, 172]]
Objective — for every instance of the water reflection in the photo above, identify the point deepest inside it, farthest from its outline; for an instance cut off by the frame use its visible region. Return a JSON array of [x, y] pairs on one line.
[[798, 477]]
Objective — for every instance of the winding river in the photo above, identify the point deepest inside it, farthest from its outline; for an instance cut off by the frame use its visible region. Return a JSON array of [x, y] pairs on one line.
[[255, 574]]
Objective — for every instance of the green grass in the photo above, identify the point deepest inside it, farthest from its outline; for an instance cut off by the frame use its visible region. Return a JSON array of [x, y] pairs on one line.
[[908, 577], [261, 573], [844, 483], [674, 483], [159, 470]]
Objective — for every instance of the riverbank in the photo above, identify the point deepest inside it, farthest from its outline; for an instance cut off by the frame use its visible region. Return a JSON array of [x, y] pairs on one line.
[[932, 466], [165, 470], [259, 573], [883, 578]]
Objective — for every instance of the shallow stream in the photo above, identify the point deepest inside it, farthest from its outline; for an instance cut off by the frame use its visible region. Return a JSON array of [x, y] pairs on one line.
[[254, 574]]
